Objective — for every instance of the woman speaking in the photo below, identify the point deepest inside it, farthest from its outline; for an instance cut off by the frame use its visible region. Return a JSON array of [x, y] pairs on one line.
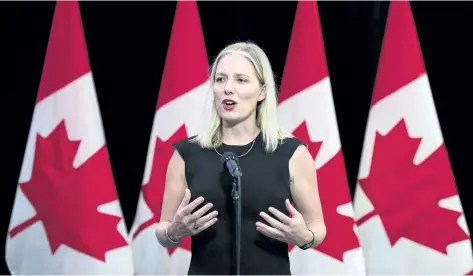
[[280, 202]]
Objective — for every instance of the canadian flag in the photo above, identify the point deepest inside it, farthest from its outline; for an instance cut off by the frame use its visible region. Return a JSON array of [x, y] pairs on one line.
[[66, 217], [182, 94], [406, 202], [307, 110]]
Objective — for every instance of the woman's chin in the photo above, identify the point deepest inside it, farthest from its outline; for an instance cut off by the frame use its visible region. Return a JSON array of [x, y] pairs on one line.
[[231, 118]]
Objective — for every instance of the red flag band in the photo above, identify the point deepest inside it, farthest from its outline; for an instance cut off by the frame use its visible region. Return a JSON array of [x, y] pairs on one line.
[[307, 110], [184, 84], [66, 217], [406, 203]]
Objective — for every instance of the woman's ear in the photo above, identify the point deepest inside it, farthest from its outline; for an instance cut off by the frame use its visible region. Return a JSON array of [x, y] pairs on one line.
[[262, 94]]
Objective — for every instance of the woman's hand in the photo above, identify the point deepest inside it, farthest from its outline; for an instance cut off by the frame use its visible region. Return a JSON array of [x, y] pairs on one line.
[[286, 229], [186, 223]]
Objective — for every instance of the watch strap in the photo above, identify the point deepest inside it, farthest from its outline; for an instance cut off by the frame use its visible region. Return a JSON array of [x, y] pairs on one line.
[[309, 244]]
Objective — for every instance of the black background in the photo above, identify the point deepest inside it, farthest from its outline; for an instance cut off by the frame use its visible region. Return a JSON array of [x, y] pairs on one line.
[[127, 43]]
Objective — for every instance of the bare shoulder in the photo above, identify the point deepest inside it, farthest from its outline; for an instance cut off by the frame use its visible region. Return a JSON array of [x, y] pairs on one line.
[[182, 151], [176, 160], [176, 170], [301, 154], [301, 161]]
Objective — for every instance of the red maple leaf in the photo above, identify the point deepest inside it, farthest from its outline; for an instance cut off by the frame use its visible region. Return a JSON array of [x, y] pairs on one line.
[[333, 190], [406, 196], [153, 191], [66, 198]]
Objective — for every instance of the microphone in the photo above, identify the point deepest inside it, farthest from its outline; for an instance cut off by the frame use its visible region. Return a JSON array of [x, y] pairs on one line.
[[230, 160], [231, 163]]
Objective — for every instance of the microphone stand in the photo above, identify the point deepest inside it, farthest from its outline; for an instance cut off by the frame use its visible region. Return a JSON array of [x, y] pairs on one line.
[[236, 195]]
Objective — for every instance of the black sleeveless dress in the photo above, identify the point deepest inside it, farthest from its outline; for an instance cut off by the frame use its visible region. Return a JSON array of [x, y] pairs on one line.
[[265, 183]]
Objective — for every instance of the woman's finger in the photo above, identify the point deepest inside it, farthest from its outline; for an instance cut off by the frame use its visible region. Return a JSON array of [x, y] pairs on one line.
[[187, 210], [205, 226], [281, 216], [207, 217], [269, 231], [197, 214], [273, 222]]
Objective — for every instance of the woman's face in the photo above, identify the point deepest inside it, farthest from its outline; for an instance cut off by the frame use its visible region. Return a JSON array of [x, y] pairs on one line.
[[237, 89]]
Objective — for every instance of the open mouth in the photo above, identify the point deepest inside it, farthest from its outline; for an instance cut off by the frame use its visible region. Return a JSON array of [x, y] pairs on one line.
[[229, 104]]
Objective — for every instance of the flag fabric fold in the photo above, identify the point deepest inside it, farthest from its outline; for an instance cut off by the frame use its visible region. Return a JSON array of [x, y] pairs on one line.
[[407, 207], [307, 109], [184, 87], [66, 217]]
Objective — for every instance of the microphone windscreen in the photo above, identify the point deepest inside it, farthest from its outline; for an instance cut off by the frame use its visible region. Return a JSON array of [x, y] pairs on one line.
[[227, 155]]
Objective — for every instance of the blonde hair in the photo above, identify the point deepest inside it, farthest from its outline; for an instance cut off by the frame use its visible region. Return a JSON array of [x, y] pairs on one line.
[[266, 115]]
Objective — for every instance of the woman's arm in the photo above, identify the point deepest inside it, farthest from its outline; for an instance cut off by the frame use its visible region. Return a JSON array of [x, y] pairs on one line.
[[305, 193], [174, 190], [178, 218]]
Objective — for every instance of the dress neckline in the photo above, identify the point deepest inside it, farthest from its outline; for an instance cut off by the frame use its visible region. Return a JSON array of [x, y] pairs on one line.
[[245, 145]]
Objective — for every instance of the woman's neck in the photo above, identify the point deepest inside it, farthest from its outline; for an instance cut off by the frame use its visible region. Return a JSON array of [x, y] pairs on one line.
[[239, 134]]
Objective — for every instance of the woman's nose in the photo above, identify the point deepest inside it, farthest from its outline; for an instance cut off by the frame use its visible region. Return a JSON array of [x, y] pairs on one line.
[[229, 88]]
